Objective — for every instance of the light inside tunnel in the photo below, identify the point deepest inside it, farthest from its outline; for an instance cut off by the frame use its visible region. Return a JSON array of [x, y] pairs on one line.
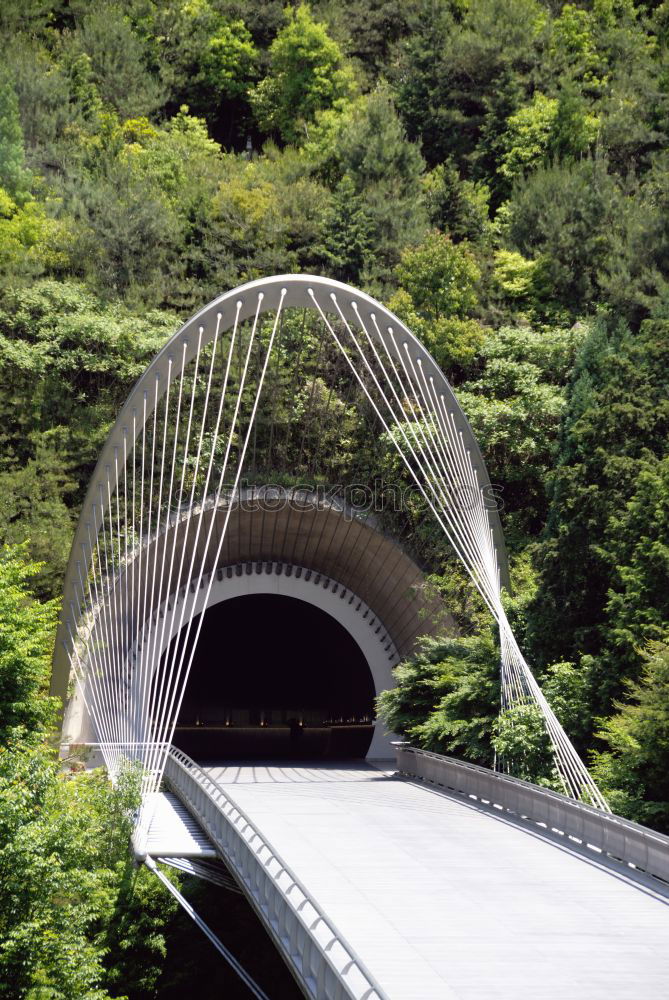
[[274, 677]]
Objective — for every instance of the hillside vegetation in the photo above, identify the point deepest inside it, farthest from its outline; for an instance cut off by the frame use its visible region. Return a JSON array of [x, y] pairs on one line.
[[497, 172]]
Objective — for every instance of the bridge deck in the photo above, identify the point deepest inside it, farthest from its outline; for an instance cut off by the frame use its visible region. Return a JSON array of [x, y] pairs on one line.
[[173, 832], [445, 900]]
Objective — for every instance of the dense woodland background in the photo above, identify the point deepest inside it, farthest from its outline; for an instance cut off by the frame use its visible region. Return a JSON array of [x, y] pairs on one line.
[[497, 171]]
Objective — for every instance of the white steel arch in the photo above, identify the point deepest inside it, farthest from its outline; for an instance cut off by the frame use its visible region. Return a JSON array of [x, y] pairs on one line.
[[112, 586]]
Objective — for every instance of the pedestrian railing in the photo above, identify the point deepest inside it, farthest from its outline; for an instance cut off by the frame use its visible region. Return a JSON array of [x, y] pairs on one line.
[[636, 846], [323, 962]]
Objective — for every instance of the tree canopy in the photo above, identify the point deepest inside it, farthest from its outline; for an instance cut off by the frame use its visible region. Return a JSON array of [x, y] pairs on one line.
[[496, 171]]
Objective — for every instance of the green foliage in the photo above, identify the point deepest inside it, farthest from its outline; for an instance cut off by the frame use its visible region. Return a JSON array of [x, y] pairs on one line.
[[527, 136], [68, 891], [634, 769], [386, 170], [440, 276], [447, 697], [522, 744], [564, 217], [125, 236], [520, 737], [66, 361], [368, 31], [347, 233], [54, 96], [307, 74], [457, 206], [603, 564], [439, 282], [50, 894], [515, 410], [574, 46], [518, 279], [181, 161], [117, 59], [267, 217], [575, 130], [27, 15], [25, 641], [592, 237], [135, 940], [13, 176], [462, 76], [33, 510], [229, 62], [637, 605], [548, 128], [63, 862], [31, 242], [366, 143], [204, 56], [566, 687]]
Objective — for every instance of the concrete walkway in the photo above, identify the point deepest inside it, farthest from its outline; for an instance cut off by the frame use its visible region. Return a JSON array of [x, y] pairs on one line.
[[445, 901]]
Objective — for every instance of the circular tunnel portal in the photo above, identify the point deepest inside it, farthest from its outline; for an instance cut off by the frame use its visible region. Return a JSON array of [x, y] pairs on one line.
[[275, 678]]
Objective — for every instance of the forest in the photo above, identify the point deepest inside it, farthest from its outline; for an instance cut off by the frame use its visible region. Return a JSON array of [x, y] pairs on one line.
[[497, 173]]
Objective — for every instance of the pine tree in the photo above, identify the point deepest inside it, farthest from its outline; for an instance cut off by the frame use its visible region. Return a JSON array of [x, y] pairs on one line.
[[634, 769], [14, 178], [597, 595]]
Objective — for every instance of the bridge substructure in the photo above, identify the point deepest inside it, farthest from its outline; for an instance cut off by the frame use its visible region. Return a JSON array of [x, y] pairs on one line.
[[437, 881]]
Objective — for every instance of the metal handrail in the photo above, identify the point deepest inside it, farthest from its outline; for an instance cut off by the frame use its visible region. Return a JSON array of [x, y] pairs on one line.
[[623, 840], [371, 989]]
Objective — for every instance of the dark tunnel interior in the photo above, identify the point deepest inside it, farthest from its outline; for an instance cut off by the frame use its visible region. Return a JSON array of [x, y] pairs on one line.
[[275, 678]]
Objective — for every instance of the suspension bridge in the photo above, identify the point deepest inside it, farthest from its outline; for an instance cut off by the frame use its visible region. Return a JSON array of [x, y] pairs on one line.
[[251, 561]]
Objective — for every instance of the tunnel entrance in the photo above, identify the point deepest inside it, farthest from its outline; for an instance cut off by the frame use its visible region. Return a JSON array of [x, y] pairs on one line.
[[275, 678]]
